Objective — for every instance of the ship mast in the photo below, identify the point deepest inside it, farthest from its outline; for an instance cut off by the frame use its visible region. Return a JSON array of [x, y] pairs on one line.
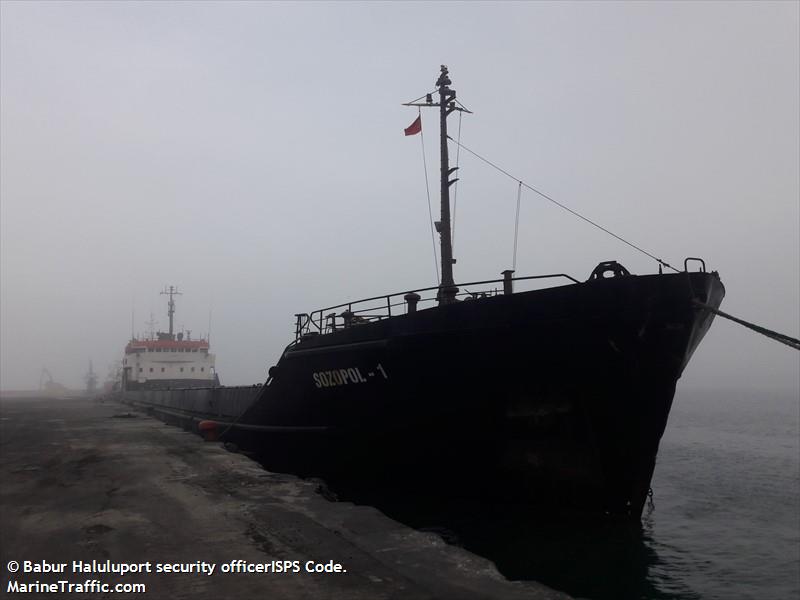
[[171, 291], [447, 289]]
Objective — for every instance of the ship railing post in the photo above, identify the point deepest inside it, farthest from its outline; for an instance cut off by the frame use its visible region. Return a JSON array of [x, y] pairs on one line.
[[389, 304], [508, 282], [301, 322]]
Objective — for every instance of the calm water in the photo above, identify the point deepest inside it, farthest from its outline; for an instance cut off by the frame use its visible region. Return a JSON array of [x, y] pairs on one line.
[[725, 522], [727, 518]]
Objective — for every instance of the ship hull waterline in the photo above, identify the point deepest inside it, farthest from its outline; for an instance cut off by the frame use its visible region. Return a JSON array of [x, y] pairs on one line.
[[557, 396]]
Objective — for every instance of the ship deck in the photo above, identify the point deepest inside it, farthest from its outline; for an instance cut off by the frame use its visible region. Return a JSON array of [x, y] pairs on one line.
[[88, 480]]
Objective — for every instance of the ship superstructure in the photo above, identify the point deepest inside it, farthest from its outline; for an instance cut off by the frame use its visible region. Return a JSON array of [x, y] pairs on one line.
[[168, 359]]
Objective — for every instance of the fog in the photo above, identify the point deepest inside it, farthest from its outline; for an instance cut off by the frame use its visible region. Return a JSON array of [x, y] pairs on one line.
[[253, 155]]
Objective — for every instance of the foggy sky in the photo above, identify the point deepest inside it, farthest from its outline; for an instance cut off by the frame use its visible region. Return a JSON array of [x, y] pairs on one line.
[[253, 155]]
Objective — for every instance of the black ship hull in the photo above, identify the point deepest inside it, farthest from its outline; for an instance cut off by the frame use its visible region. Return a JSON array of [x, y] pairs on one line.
[[556, 396]]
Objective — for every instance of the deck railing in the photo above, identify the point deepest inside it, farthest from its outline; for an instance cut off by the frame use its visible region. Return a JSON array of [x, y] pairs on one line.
[[330, 319]]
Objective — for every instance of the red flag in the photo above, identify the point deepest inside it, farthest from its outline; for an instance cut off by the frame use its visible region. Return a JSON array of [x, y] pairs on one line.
[[415, 127]]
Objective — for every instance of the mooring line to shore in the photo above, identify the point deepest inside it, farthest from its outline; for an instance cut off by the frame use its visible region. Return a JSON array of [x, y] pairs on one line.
[[778, 337]]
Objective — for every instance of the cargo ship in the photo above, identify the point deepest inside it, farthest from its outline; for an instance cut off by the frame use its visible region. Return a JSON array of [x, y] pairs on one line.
[[557, 395], [166, 359]]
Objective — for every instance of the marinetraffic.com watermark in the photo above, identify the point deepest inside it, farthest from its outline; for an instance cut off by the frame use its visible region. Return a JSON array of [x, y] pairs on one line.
[[84, 577]]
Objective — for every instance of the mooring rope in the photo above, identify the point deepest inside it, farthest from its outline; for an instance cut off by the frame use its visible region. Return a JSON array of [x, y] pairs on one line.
[[428, 191], [778, 337], [566, 208]]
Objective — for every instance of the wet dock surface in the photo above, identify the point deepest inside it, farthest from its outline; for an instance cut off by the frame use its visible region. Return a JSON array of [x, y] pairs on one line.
[[84, 480]]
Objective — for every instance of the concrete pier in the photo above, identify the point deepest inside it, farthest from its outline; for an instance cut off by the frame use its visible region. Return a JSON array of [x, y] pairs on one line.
[[83, 480]]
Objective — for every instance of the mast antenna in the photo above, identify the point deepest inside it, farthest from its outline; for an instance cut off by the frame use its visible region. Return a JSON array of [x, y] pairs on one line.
[[133, 314], [447, 104], [171, 291], [151, 325]]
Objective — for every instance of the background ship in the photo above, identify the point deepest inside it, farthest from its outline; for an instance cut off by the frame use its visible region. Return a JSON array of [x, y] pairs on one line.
[[165, 360], [557, 396]]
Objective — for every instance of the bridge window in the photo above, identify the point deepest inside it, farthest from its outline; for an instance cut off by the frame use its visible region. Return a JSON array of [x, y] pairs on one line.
[[140, 369], [202, 368], [162, 369], [181, 369]]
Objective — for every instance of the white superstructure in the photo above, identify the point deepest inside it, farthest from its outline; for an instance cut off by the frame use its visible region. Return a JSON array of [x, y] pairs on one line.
[[168, 359]]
